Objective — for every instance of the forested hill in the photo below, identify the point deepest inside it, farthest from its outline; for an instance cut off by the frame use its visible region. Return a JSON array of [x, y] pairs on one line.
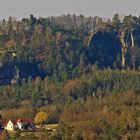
[[66, 47], [82, 71]]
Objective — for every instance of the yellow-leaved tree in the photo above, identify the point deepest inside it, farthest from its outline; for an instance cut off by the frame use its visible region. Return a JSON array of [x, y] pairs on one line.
[[41, 118]]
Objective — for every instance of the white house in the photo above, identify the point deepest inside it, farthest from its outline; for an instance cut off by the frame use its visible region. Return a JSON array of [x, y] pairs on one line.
[[11, 125], [20, 124]]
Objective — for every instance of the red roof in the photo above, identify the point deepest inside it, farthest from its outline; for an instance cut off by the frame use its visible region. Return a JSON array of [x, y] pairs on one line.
[[25, 120], [4, 123], [14, 122]]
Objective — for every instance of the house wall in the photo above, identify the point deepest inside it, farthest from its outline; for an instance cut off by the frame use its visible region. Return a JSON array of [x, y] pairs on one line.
[[20, 125], [9, 126]]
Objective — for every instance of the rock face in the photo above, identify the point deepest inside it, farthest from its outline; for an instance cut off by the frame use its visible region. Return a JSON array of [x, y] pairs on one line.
[[128, 48], [105, 47], [123, 50], [109, 47]]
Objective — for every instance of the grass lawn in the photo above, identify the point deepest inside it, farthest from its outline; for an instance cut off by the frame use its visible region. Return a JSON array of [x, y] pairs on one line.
[[51, 126], [46, 130]]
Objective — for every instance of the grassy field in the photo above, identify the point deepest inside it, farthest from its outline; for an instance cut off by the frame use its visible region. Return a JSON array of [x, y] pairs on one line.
[[46, 130]]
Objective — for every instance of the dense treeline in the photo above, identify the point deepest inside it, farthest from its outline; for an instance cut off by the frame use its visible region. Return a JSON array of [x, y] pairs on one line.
[[45, 47], [98, 83]]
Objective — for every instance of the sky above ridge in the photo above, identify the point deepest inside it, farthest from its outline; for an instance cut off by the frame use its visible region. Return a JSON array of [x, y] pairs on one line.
[[45, 8]]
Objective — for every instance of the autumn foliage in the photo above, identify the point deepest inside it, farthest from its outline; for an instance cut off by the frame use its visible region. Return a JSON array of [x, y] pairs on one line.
[[41, 118]]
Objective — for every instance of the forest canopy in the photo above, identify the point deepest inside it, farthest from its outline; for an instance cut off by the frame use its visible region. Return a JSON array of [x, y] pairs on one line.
[[66, 47]]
